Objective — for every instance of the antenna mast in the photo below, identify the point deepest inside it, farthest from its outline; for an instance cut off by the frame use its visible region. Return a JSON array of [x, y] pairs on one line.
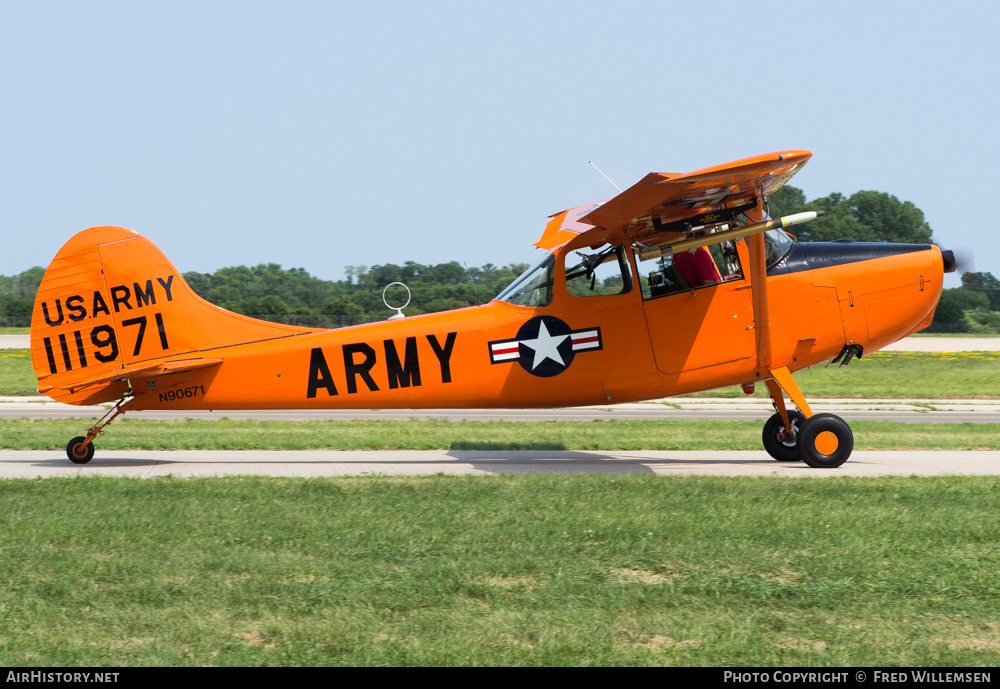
[[605, 176], [473, 281]]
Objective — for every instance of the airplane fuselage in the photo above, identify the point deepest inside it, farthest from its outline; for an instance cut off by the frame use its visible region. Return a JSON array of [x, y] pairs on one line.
[[576, 351], [607, 316]]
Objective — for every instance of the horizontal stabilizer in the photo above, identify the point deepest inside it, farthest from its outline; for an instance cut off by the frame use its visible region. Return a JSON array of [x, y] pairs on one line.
[[154, 370]]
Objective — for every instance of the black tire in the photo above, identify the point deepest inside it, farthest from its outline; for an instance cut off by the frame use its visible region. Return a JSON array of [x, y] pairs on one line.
[[73, 448], [821, 457], [777, 443]]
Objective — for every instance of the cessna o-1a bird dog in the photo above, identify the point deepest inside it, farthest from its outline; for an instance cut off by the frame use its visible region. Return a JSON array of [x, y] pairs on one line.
[[678, 284]]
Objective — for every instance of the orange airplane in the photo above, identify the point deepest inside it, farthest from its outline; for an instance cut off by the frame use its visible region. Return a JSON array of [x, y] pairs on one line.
[[678, 284]]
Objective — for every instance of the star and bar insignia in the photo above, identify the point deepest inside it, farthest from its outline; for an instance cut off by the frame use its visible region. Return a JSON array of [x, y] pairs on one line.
[[545, 346]]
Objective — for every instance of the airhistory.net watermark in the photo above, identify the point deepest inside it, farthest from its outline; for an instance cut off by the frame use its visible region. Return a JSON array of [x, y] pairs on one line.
[[61, 677]]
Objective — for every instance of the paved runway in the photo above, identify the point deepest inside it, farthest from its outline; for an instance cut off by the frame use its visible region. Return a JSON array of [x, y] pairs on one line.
[[682, 408], [313, 463], [945, 344]]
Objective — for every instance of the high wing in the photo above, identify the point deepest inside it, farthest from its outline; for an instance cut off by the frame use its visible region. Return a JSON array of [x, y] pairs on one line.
[[664, 204], [666, 213]]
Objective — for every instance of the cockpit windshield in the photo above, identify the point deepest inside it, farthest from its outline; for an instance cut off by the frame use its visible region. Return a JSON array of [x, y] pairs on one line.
[[776, 245], [533, 287]]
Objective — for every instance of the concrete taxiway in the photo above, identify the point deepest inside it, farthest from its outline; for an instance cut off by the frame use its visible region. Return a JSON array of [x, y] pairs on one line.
[[682, 408], [316, 463]]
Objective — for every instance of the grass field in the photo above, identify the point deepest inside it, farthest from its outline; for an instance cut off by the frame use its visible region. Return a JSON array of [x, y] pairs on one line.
[[666, 434], [938, 375], [887, 375], [508, 570], [16, 376], [501, 570]]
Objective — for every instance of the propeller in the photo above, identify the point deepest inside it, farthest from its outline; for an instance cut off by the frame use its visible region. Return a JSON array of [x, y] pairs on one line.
[[958, 260]]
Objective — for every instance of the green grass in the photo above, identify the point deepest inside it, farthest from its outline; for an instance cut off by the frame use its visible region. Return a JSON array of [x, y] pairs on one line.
[[16, 376], [666, 434], [938, 375], [887, 375], [15, 331], [500, 570]]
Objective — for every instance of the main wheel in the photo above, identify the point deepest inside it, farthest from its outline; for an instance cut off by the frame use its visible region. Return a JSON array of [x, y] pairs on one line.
[[825, 441], [778, 442], [77, 453]]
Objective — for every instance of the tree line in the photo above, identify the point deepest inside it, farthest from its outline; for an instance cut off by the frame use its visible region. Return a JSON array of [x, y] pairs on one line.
[[294, 296]]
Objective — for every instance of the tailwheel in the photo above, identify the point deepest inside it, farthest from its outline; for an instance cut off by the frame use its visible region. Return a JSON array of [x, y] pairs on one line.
[[78, 452], [825, 441], [782, 443], [80, 449]]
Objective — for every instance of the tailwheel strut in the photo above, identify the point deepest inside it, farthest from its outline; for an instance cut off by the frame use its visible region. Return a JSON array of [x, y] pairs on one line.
[[822, 441], [80, 449]]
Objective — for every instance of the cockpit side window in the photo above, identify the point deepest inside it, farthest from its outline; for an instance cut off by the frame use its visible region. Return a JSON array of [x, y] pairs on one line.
[[533, 287], [601, 273], [658, 276]]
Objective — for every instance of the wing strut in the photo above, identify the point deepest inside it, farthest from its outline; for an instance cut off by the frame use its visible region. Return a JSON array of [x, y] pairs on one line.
[[780, 378]]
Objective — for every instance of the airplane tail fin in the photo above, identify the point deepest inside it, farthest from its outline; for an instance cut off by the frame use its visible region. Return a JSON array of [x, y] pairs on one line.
[[111, 305]]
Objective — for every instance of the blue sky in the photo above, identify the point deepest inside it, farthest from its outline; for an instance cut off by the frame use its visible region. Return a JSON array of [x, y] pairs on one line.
[[328, 134]]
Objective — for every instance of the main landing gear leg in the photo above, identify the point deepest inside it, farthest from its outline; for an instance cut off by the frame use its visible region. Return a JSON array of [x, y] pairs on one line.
[[80, 450], [823, 441], [781, 431]]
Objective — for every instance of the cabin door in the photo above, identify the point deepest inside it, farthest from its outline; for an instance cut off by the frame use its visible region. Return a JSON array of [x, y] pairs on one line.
[[699, 326]]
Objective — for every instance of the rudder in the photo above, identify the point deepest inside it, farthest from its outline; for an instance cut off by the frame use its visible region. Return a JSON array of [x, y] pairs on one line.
[[109, 302]]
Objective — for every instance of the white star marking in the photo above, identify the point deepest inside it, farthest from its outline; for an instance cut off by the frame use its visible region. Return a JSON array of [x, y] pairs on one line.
[[545, 346]]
